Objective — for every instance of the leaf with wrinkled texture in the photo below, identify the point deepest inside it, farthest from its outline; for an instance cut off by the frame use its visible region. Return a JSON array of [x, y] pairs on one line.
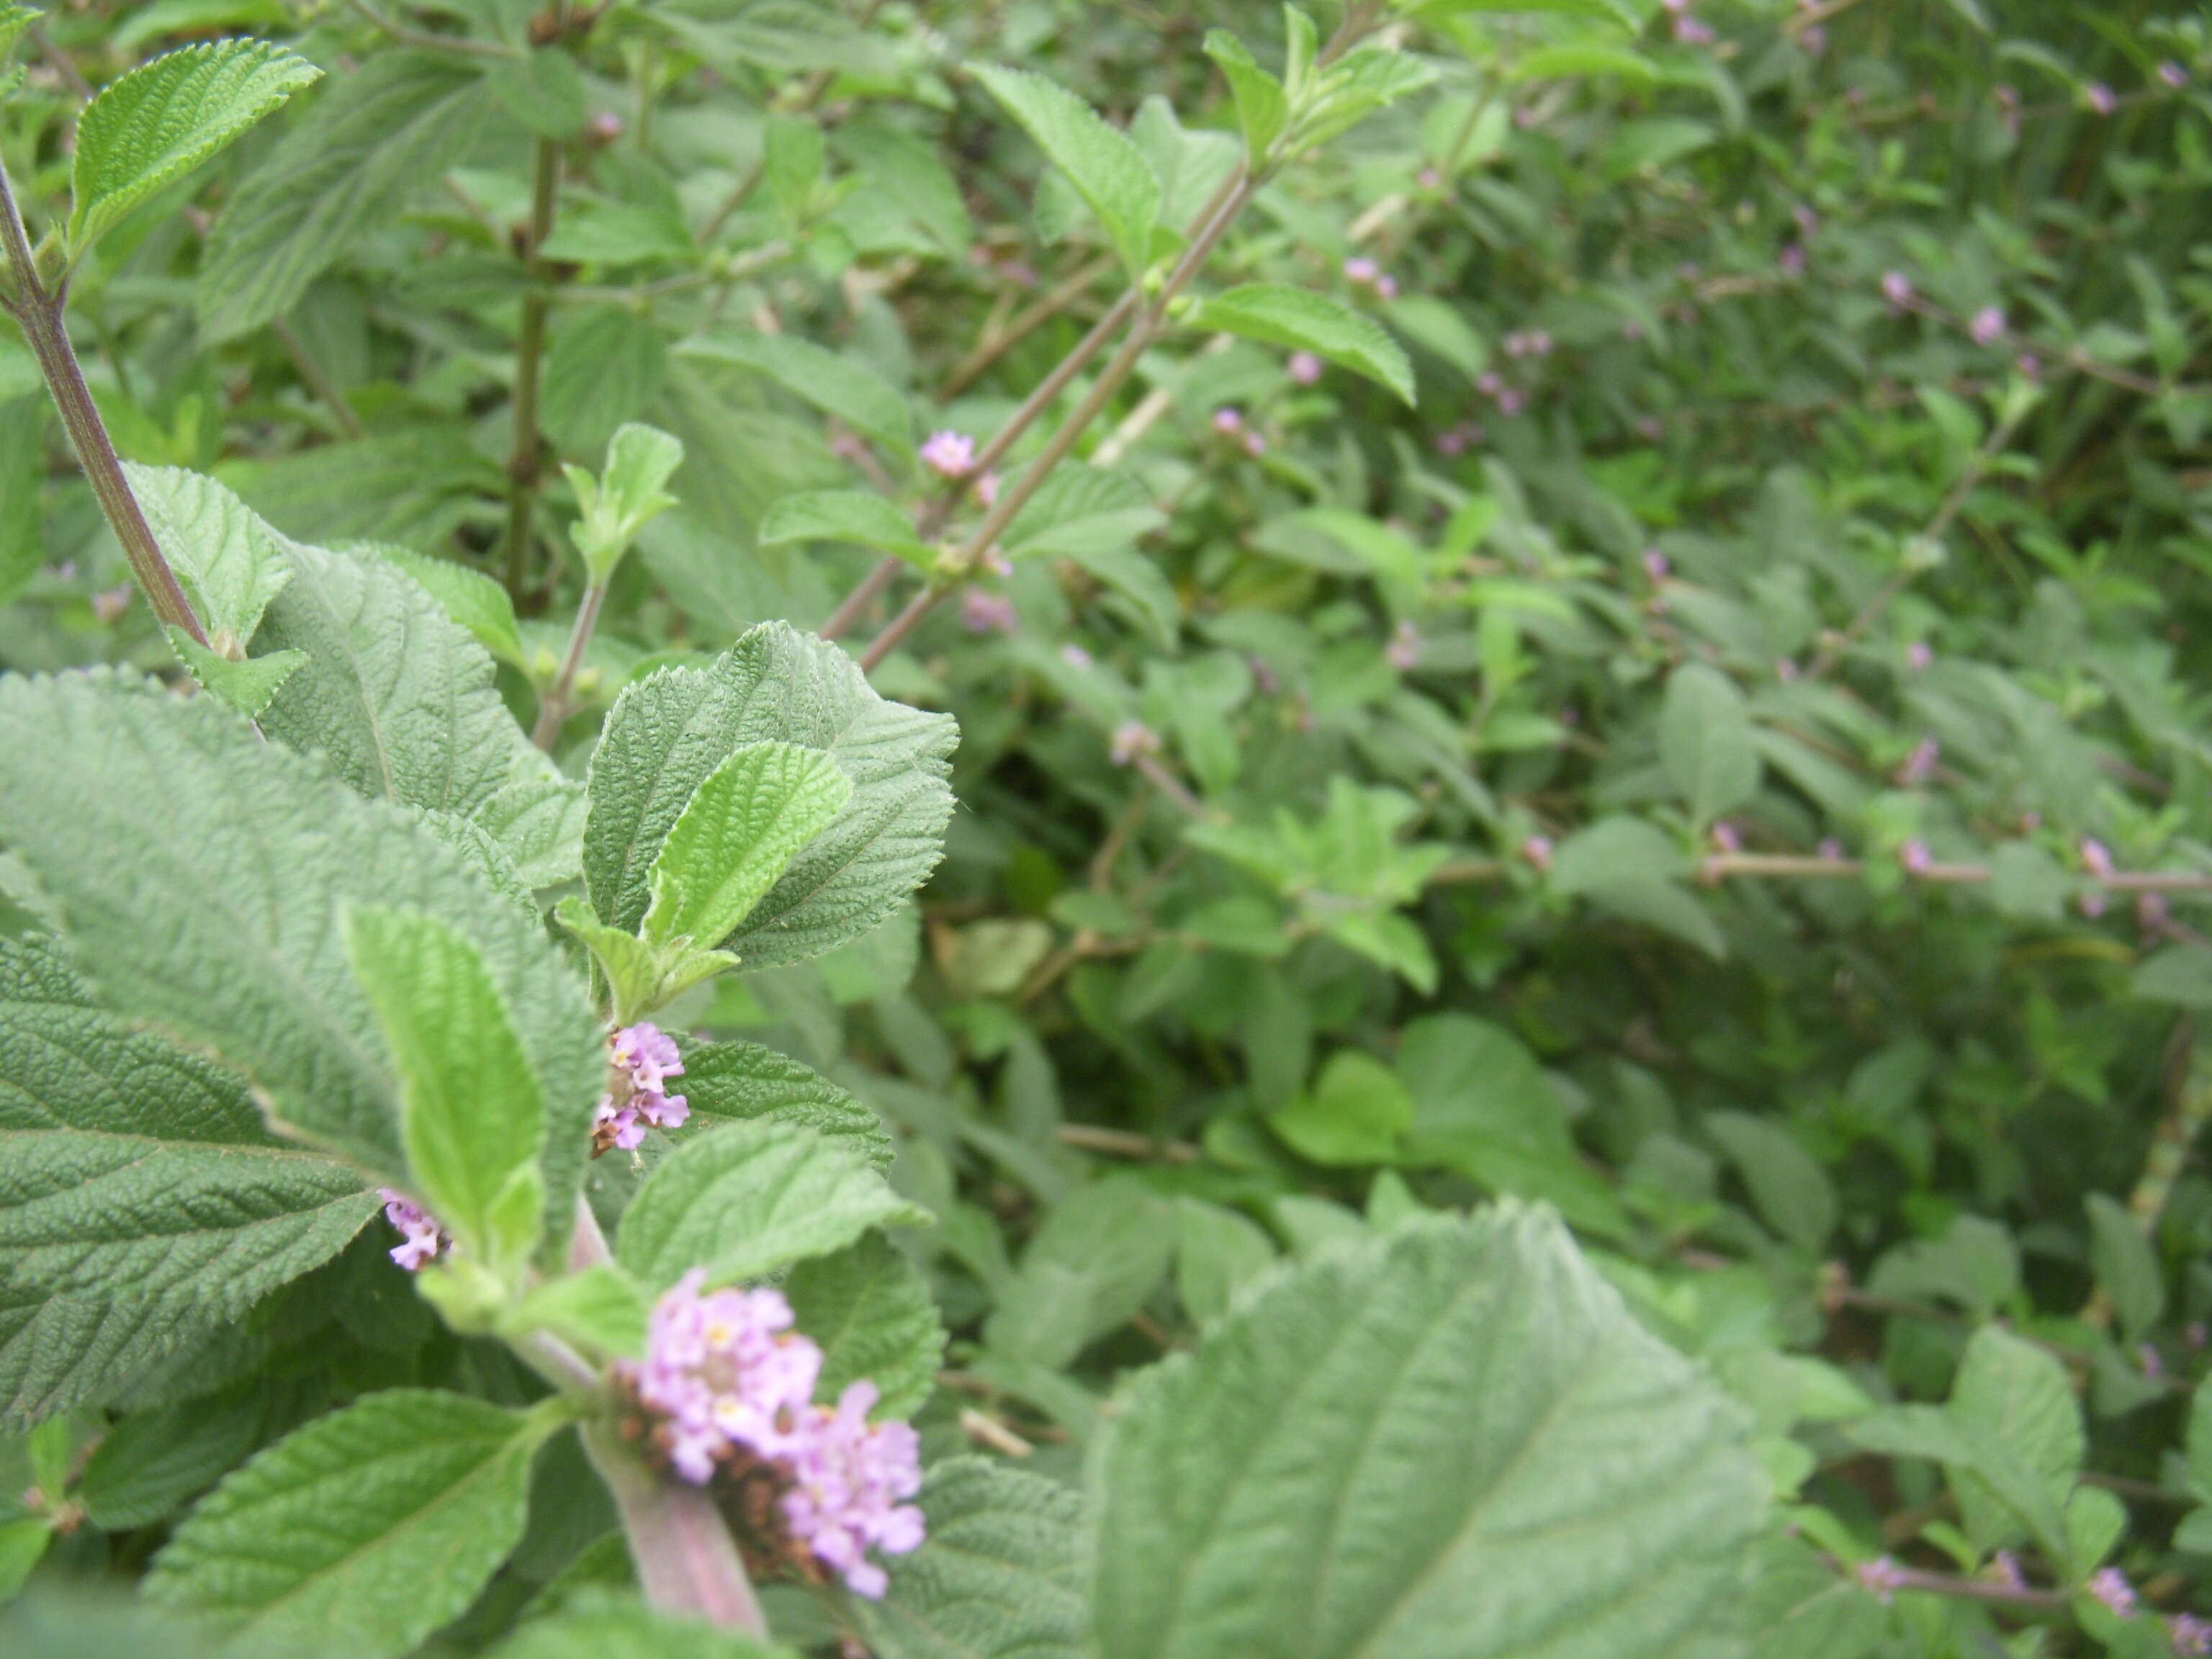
[[740, 831], [869, 1309], [141, 1204], [742, 1081], [361, 1532], [1000, 1576], [1299, 320], [669, 731], [199, 875], [1451, 1441], [164, 118], [226, 559], [1104, 164], [600, 1626], [752, 1197], [837, 386]]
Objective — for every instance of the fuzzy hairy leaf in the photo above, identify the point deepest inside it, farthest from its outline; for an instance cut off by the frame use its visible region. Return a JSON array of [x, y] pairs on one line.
[[200, 875], [361, 1532], [752, 1197], [1097, 1259], [1449, 1440], [1104, 164], [869, 1310], [539, 822], [669, 731], [737, 1081], [471, 1112], [1301, 320], [1706, 742], [250, 685], [1000, 1576], [397, 695], [148, 1464], [226, 559], [740, 831], [374, 139], [469, 597], [602, 1627], [141, 1204], [164, 118]]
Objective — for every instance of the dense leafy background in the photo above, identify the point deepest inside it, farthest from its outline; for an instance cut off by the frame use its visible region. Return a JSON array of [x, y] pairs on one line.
[[1725, 760]]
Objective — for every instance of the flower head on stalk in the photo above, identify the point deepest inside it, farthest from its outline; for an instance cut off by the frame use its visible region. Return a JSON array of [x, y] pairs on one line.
[[425, 1241], [641, 1058], [727, 1388]]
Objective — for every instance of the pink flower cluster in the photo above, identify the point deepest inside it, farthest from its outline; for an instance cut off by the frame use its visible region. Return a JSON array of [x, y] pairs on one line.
[[425, 1240], [643, 1059], [732, 1382]]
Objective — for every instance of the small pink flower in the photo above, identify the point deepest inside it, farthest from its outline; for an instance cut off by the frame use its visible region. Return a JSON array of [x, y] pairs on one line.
[[1537, 850], [1490, 383], [1808, 221], [1656, 565], [1386, 287], [1689, 32], [1813, 40], [2174, 75], [641, 1058], [1525, 117], [1726, 838], [425, 1240], [1915, 857], [1227, 422], [1451, 444], [1075, 656], [2100, 98], [2007, 1569], [1303, 368], [985, 612], [1510, 402], [2153, 914], [2110, 1585], [1131, 739], [2096, 858], [1428, 178], [1882, 1578], [1831, 849], [1361, 270], [110, 603], [2029, 365], [1920, 765], [951, 453], [1988, 326], [1791, 259], [1918, 656], [2091, 905], [996, 562], [2191, 1637], [2197, 1336], [987, 488], [1254, 445], [1897, 288], [2153, 1364]]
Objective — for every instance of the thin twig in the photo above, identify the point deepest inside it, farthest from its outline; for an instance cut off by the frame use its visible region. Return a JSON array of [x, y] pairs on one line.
[[558, 702], [998, 340], [525, 464]]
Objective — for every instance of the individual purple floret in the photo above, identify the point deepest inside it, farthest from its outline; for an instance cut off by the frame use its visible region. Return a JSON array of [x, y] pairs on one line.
[[2110, 1585], [2191, 1637], [1131, 739], [728, 1385], [426, 1241], [1404, 651], [642, 1058], [1881, 1578], [850, 1475]]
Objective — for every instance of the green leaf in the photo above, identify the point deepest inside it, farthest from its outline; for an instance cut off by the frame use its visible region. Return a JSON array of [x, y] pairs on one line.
[[600, 1626], [793, 154], [14, 19], [1394, 1450], [375, 138], [870, 1310], [841, 388], [1261, 109], [147, 1465], [22, 1543], [1353, 1114], [626, 497], [471, 1116], [1000, 1576], [1218, 1253], [729, 1082], [1706, 742], [845, 515], [2012, 1395], [361, 1532], [740, 831], [1098, 1257], [1299, 321], [2126, 1266], [141, 1204], [164, 118], [1791, 1190], [539, 823], [600, 1309], [1573, 59], [398, 697], [752, 1197], [249, 686], [226, 559], [668, 734], [644, 975], [199, 875], [543, 90], [1128, 573], [1625, 866], [1106, 169], [467, 597]]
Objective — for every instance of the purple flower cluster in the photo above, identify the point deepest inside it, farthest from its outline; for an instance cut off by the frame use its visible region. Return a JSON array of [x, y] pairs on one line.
[[730, 1382], [426, 1241], [643, 1059]]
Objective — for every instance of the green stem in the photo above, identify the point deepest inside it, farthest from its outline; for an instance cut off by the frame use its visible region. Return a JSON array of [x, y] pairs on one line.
[[39, 314], [557, 703], [686, 1560], [526, 465]]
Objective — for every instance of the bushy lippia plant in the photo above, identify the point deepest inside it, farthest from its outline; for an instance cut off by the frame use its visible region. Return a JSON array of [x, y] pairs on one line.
[[336, 975]]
